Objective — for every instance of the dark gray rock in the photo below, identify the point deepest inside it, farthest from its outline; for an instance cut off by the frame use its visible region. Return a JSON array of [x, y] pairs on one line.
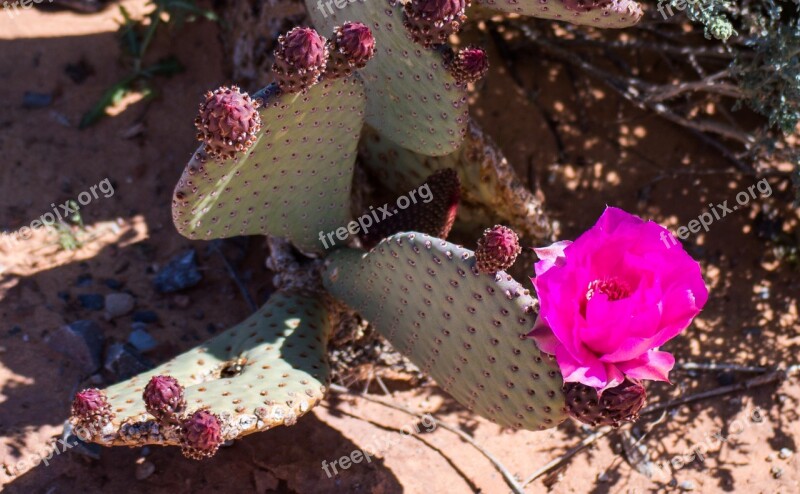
[[82, 341], [124, 361], [141, 339], [92, 301], [179, 274]]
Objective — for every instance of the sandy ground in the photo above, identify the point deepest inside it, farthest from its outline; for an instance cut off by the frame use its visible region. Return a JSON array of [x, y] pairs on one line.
[[610, 155]]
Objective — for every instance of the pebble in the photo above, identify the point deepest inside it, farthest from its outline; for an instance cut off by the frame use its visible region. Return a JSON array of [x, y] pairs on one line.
[[141, 339], [124, 361], [33, 100], [180, 273], [776, 472], [686, 485], [603, 477], [90, 450], [113, 284], [81, 341], [144, 470], [119, 304], [92, 301], [84, 280], [785, 453], [145, 316], [14, 330]]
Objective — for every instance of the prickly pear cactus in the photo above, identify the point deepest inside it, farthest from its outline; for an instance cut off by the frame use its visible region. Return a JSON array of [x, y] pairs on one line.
[[491, 191], [412, 98], [598, 13], [267, 371], [293, 182], [466, 329]]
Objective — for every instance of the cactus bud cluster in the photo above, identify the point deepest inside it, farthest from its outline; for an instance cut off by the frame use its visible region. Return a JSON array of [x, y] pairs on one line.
[[430, 22], [201, 435], [164, 399], [611, 407], [90, 408], [497, 250], [300, 59], [352, 46], [469, 65], [228, 122]]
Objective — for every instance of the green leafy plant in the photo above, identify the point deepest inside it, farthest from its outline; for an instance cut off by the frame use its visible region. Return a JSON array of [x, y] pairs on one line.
[[135, 37]]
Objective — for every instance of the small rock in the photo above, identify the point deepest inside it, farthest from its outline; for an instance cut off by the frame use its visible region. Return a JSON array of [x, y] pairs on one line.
[[124, 361], [79, 71], [144, 470], [145, 316], [14, 330], [92, 301], [686, 485], [142, 340], [603, 477], [82, 341], [181, 301], [118, 304], [113, 284], [180, 273], [63, 296], [776, 472], [84, 280], [33, 100], [199, 314], [785, 453], [770, 457]]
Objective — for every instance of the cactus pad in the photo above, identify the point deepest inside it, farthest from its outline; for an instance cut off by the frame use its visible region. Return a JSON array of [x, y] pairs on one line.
[[412, 99], [491, 190], [267, 371], [598, 13], [295, 180], [466, 329]]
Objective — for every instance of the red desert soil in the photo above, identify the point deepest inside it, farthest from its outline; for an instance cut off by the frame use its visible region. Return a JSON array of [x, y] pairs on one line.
[[611, 155]]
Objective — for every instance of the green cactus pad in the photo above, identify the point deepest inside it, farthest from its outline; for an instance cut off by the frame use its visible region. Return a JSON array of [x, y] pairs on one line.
[[282, 374], [294, 182], [615, 14], [411, 97], [491, 191], [467, 330]]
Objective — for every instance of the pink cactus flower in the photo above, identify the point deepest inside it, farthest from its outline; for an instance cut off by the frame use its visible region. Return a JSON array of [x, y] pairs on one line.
[[612, 297]]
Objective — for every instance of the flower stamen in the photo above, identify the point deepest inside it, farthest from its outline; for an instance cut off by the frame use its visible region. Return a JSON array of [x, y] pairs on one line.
[[613, 288]]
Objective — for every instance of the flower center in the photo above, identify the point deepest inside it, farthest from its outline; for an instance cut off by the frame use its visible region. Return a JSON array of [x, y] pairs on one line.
[[613, 288]]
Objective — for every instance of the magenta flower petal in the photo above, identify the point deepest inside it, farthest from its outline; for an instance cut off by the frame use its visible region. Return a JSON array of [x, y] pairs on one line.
[[611, 297], [652, 365], [549, 256]]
